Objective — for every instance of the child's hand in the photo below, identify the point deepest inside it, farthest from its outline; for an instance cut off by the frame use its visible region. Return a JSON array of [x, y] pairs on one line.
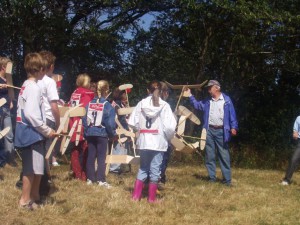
[[52, 134]]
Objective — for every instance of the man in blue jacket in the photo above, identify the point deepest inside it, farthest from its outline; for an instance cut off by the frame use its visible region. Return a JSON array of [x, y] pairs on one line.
[[221, 123]]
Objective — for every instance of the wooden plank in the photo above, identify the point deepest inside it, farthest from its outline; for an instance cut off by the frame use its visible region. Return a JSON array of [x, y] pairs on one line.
[[78, 132], [186, 112], [2, 101], [65, 130], [9, 80], [127, 133], [124, 159], [8, 69], [78, 112], [181, 125], [4, 132], [181, 146], [177, 143], [125, 111], [69, 137], [203, 139], [191, 86]]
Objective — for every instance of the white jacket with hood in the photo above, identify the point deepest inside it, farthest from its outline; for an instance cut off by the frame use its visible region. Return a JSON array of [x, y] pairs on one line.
[[156, 125]]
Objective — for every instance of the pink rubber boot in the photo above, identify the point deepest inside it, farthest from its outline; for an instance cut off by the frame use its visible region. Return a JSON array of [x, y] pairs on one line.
[[137, 192], [152, 193]]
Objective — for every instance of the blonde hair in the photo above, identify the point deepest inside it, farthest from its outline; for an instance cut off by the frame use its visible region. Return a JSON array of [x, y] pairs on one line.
[[83, 80], [4, 61], [48, 57], [34, 63], [102, 88]]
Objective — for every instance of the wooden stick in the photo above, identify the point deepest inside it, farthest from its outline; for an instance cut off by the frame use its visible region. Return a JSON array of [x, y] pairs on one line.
[[180, 98], [11, 86], [108, 95], [69, 137], [18, 154], [191, 137], [127, 98]]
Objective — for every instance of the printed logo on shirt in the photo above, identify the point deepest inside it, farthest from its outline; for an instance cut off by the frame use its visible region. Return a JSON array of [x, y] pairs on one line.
[[149, 125], [95, 114], [75, 99]]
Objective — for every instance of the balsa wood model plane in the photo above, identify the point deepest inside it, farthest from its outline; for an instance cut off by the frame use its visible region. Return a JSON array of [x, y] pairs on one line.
[[178, 141], [74, 112], [66, 113]]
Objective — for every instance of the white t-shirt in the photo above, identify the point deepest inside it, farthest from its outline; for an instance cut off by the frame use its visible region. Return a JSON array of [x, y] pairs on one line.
[[30, 102], [49, 92], [31, 111]]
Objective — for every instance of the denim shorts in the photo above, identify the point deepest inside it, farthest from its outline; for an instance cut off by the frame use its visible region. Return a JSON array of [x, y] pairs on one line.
[[33, 158]]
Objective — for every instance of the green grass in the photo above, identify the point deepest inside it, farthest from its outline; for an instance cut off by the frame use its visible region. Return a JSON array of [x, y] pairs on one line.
[[255, 198]]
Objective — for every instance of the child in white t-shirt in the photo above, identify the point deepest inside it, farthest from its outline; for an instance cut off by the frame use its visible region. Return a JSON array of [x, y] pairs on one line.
[[31, 129]]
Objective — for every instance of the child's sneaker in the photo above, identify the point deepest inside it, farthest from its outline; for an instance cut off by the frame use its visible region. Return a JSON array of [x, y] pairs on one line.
[[104, 184], [55, 164], [89, 182]]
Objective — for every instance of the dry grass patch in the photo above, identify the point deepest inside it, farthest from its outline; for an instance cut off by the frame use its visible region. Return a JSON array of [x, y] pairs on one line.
[[255, 198]]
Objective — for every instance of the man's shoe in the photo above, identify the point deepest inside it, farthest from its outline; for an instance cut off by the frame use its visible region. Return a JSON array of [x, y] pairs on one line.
[[284, 183]]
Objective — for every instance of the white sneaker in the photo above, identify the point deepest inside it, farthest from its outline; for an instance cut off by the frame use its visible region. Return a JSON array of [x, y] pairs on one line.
[[89, 182], [284, 183], [104, 184], [55, 164]]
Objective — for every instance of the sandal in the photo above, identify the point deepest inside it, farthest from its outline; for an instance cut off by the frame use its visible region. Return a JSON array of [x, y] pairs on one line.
[[31, 205]]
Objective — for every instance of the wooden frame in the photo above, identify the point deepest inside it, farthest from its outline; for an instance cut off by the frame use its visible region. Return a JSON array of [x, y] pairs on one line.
[[4, 132]]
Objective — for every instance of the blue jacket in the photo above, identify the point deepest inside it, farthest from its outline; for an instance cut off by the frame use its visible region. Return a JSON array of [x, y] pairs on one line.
[[230, 121], [108, 128]]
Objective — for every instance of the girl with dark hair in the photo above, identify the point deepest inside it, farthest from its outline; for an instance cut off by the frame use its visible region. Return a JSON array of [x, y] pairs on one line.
[[154, 120]]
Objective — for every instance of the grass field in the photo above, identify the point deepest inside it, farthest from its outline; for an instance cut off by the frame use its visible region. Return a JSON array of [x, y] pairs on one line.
[[255, 198]]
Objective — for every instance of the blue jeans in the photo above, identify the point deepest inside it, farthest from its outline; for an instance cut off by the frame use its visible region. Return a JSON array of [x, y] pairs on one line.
[[97, 147], [215, 144], [294, 163], [7, 145], [150, 165]]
